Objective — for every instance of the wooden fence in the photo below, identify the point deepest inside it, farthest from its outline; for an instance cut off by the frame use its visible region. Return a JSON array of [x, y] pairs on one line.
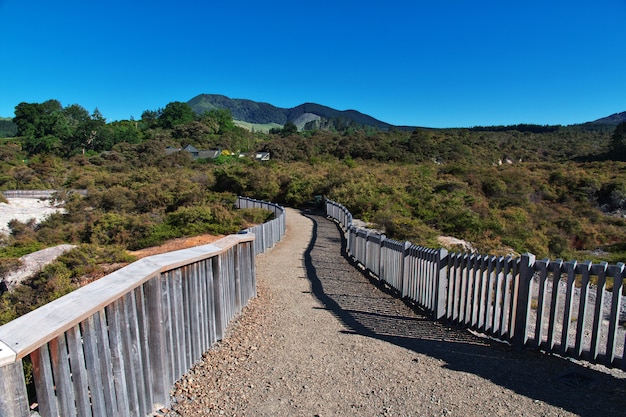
[[115, 347], [267, 234], [543, 304], [41, 194]]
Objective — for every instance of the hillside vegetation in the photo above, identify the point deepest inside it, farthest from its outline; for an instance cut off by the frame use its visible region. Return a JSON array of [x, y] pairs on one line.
[[558, 192]]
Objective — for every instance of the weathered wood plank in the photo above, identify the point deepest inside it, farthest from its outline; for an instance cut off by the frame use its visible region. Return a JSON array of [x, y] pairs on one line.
[[169, 353], [95, 374], [498, 300], [542, 267], [570, 268], [555, 267], [106, 362], [155, 354], [617, 272], [600, 272], [210, 297], [186, 323], [490, 299], [80, 380], [13, 400], [176, 300], [581, 324], [44, 382], [114, 320], [505, 322], [145, 383], [62, 376], [132, 354]]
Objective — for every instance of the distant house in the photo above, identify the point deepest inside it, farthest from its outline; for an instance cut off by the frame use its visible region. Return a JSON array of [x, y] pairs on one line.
[[195, 153], [211, 154], [214, 153], [262, 156]]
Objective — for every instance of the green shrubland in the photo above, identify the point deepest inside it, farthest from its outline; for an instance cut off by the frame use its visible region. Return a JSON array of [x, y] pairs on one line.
[[557, 192]]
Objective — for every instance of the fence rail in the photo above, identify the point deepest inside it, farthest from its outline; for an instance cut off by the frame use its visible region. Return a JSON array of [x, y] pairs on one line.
[[42, 194], [267, 234], [117, 345], [543, 304]]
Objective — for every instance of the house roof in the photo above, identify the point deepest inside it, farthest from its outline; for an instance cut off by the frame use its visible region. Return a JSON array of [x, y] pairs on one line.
[[191, 148], [213, 153]]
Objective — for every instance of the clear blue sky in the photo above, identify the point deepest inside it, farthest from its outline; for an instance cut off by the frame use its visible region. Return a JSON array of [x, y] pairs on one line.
[[450, 63]]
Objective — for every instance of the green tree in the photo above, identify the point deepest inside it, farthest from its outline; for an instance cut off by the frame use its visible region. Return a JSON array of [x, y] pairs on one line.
[[289, 129], [618, 140], [91, 135], [150, 118], [223, 117], [34, 119], [176, 113]]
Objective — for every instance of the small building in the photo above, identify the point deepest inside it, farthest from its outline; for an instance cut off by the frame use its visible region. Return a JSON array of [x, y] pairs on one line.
[[262, 156], [210, 154], [195, 153]]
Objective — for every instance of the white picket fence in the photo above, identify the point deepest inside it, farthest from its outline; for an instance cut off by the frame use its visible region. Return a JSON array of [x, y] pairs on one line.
[[115, 347], [523, 301]]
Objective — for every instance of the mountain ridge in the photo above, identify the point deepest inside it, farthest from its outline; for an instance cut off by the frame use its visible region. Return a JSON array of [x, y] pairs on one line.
[[303, 115], [264, 113], [614, 119]]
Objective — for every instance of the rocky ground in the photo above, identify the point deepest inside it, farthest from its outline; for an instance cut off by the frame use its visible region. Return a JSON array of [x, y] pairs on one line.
[[322, 339], [24, 209]]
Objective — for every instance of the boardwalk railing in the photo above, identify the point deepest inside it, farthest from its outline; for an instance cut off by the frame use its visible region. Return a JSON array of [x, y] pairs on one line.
[[115, 347], [549, 305], [41, 194], [267, 234]]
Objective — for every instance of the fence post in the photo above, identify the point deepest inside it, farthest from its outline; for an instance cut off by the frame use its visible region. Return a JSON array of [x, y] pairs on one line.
[[522, 308], [617, 272], [441, 275], [382, 265], [404, 273], [13, 400], [161, 377]]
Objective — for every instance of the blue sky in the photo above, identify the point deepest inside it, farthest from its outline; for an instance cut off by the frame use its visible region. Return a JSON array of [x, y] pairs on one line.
[[451, 63]]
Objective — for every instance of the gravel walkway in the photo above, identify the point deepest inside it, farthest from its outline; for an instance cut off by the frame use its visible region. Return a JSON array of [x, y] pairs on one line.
[[322, 340]]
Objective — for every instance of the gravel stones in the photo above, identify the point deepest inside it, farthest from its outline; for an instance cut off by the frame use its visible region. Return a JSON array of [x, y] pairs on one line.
[[322, 339]]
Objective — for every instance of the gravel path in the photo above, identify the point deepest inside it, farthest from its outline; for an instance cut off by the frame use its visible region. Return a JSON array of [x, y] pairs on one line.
[[322, 340]]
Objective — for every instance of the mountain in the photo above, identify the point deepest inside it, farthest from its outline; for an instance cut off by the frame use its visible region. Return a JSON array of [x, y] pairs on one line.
[[309, 114], [613, 119]]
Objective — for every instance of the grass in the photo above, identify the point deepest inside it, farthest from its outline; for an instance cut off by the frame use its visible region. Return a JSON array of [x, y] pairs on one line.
[[265, 128]]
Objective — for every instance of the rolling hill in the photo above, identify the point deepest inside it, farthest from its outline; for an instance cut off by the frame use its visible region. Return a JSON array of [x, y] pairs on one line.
[[613, 119], [264, 114]]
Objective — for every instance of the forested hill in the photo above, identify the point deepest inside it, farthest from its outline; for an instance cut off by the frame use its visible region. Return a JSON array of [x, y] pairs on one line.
[[265, 113], [612, 120]]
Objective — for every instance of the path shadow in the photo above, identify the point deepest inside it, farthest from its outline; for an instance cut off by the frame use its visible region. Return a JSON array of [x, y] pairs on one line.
[[357, 300]]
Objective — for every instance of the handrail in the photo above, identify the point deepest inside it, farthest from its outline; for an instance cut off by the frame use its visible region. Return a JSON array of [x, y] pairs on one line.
[[117, 345], [526, 302], [26, 333]]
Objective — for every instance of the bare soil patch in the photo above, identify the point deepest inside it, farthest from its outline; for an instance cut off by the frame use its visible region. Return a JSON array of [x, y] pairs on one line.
[[176, 244]]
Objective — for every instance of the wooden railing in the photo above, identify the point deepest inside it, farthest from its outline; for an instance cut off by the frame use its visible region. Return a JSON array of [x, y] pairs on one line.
[[116, 346], [267, 234], [41, 194], [549, 305]]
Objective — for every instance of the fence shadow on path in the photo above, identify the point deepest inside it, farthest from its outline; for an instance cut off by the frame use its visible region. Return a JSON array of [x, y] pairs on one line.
[[355, 299]]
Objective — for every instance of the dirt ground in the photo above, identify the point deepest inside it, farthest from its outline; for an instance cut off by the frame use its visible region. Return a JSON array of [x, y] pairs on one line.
[[322, 339], [176, 244]]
